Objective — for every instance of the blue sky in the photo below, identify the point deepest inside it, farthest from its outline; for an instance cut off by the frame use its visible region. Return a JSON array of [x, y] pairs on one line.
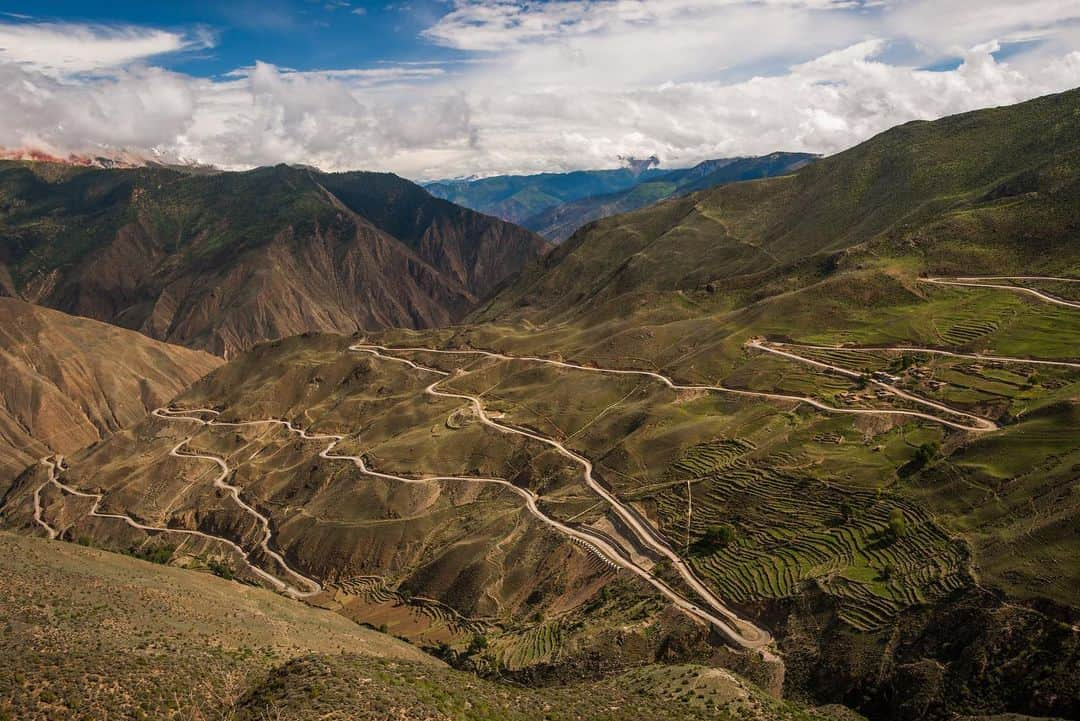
[[301, 34], [441, 88]]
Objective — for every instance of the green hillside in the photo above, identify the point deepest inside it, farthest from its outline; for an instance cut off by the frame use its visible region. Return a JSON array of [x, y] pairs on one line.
[[991, 192], [560, 222]]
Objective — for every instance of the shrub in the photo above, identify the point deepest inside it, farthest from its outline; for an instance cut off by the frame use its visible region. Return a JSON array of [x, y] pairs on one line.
[[897, 523]]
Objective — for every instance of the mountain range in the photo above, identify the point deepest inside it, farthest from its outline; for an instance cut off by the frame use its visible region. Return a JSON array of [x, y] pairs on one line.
[[799, 430], [555, 205]]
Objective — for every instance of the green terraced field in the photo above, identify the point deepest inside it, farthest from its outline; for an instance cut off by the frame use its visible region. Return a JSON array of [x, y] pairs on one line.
[[855, 559]]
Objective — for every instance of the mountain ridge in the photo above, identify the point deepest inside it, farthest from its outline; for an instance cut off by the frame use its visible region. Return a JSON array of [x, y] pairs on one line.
[[224, 260], [559, 223]]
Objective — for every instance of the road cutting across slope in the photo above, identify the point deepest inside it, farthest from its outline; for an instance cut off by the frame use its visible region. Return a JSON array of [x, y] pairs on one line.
[[932, 351], [981, 426], [95, 511], [737, 630], [977, 282], [743, 632]]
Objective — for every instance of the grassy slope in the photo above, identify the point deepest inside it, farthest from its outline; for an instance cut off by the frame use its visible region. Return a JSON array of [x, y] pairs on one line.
[[95, 635], [832, 254], [91, 634]]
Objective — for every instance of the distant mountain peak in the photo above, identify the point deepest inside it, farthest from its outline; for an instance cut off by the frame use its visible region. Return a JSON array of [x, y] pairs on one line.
[[108, 160], [637, 166]]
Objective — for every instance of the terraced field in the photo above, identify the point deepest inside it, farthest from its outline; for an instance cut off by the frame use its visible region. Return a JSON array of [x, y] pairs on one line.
[[837, 538], [539, 644], [376, 589], [965, 331], [707, 458]]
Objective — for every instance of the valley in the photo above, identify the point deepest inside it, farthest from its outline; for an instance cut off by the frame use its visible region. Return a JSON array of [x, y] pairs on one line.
[[798, 447]]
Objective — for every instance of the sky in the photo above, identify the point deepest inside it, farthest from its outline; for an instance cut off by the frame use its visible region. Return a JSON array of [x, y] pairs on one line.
[[448, 88]]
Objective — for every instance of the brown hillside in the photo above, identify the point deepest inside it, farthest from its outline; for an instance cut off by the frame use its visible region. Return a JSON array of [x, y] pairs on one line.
[[65, 382], [221, 262]]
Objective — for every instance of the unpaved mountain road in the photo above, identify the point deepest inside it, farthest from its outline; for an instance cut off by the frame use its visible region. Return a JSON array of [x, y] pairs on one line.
[[54, 478], [737, 629], [978, 282], [930, 351], [981, 424]]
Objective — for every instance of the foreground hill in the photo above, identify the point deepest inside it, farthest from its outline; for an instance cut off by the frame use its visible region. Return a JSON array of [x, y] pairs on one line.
[[66, 382], [224, 260], [561, 221], [95, 635], [98, 635]]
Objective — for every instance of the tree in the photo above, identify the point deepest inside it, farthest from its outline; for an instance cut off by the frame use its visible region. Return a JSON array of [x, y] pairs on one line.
[[897, 524], [478, 643], [925, 453], [846, 511], [720, 535]]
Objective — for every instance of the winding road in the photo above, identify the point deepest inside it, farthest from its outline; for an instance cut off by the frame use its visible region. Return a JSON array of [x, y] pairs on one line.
[[737, 629], [975, 282], [982, 425], [713, 612], [930, 351], [54, 478]]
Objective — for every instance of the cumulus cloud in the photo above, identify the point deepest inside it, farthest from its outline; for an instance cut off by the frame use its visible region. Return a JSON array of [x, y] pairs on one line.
[[561, 85]]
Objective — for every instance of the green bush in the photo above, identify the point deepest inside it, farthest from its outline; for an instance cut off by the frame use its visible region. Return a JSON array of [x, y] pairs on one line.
[[897, 523]]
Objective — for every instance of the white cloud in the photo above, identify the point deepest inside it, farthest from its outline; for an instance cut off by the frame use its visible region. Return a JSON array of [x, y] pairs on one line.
[[504, 24], [561, 85], [64, 48]]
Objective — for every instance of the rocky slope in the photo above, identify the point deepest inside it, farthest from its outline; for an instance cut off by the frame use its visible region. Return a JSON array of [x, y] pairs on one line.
[[66, 382], [222, 261]]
